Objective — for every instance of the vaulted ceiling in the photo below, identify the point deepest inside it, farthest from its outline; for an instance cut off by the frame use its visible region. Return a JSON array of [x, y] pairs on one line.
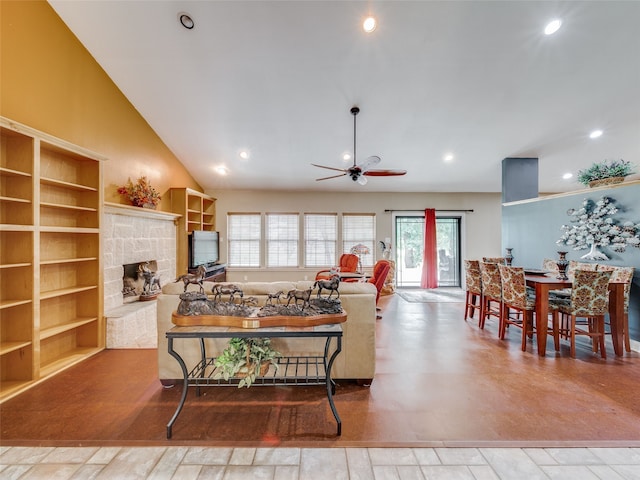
[[478, 80]]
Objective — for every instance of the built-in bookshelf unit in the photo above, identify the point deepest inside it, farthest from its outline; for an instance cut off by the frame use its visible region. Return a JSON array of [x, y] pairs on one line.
[[198, 212], [51, 298]]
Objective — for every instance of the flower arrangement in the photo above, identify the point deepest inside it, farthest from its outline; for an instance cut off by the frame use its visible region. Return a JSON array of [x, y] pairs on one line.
[[605, 169], [141, 193]]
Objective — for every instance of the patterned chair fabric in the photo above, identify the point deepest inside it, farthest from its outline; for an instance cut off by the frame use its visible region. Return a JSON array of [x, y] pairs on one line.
[[491, 291], [622, 275], [473, 279], [550, 265], [515, 297], [590, 300], [575, 265], [514, 288], [500, 260], [473, 276]]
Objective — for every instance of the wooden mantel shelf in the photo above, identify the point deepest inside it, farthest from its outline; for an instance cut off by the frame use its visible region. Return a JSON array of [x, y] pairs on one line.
[[131, 211]]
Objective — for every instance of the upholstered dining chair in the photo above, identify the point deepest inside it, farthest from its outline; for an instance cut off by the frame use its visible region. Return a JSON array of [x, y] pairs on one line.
[[348, 263], [589, 300], [622, 275], [550, 265], [515, 297], [576, 265], [500, 260], [473, 281], [491, 292]]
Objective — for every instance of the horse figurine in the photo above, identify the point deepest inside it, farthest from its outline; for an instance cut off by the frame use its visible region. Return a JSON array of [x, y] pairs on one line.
[[296, 295], [195, 278], [273, 296], [332, 285], [229, 289]]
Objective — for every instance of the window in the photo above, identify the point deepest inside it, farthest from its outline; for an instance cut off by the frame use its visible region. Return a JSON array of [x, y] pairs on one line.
[[359, 230], [282, 232], [320, 239], [243, 233]]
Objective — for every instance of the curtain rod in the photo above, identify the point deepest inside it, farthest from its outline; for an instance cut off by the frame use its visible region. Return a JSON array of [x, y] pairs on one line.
[[437, 210]]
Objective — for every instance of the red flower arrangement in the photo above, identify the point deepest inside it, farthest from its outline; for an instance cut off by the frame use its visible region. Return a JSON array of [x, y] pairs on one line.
[[141, 194]]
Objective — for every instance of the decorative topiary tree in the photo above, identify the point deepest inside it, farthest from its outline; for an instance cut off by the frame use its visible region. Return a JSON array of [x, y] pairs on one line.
[[592, 226]]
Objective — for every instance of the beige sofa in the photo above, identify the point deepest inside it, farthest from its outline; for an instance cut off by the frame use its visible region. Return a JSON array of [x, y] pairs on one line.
[[356, 361]]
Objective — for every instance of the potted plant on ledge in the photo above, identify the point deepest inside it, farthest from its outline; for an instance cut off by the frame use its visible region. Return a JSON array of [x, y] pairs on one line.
[[246, 359], [607, 172]]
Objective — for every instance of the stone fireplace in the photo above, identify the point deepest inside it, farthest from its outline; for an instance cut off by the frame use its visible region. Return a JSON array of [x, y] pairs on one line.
[[134, 236]]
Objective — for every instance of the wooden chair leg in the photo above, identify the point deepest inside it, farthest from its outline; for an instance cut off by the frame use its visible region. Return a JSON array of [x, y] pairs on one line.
[[526, 320], [625, 333], [467, 298], [573, 336], [600, 326], [556, 331]]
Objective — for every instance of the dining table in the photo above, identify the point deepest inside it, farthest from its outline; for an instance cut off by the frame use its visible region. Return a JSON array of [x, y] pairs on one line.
[[543, 284]]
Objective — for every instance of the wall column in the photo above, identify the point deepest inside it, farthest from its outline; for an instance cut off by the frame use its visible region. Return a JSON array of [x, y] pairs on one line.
[[519, 179]]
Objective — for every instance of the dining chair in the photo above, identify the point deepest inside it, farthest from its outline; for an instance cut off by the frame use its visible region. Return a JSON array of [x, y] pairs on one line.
[[516, 297], [348, 263], [589, 300], [621, 275], [576, 265], [500, 260], [473, 282], [550, 265], [491, 293]]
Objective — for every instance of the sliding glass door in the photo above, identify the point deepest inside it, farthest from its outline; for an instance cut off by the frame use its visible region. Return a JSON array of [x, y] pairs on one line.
[[409, 233]]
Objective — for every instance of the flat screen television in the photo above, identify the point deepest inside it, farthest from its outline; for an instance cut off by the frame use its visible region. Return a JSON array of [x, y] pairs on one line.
[[203, 248]]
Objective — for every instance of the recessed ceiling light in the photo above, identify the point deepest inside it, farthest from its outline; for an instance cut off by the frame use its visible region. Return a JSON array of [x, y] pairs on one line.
[[595, 134], [369, 24], [567, 175], [186, 21], [552, 27], [244, 154], [346, 157], [448, 157], [221, 170]]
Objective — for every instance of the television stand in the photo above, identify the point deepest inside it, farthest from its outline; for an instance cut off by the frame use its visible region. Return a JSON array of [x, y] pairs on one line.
[[214, 273]]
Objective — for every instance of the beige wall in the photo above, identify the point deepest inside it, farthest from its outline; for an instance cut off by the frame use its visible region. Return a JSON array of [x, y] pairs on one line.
[[482, 235], [50, 82]]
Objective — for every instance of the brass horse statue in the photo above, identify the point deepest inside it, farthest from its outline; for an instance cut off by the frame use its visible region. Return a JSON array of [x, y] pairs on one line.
[[195, 278], [332, 285], [296, 295], [230, 289]]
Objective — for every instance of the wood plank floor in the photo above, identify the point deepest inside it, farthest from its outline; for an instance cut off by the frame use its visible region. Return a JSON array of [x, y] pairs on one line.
[[440, 381]]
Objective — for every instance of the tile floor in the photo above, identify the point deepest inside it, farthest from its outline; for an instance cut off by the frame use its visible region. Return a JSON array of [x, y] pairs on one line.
[[185, 463]]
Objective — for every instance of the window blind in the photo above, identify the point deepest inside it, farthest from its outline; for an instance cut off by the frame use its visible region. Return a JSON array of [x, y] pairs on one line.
[[244, 236], [320, 239], [359, 229], [282, 234]]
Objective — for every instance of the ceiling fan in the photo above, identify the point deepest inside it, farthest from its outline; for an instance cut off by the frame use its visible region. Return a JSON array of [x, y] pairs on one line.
[[358, 172]]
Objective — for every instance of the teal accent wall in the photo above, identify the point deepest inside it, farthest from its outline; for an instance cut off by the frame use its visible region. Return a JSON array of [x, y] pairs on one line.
[[532, 228]]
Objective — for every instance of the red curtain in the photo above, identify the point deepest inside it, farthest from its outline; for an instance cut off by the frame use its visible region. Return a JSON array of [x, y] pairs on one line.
[[430, 263]]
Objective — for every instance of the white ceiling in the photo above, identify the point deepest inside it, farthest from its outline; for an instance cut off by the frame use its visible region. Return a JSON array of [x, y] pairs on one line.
[[478, 79]]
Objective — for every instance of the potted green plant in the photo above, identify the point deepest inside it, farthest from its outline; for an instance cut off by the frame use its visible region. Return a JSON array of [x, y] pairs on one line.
[[606, 172], [246, 358]]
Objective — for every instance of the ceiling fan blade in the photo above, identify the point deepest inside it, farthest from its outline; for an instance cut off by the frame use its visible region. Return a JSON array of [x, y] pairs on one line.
[[332, 176], [367, 163], [330, 168], [384, 173]]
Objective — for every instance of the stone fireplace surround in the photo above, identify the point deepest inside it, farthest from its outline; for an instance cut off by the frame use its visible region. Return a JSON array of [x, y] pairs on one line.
[[131, 235]]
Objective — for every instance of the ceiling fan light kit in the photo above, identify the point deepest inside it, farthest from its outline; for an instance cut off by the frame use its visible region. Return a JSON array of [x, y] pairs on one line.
[[357, 172]]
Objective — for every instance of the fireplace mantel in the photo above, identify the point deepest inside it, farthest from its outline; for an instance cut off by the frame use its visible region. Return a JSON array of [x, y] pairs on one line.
[[129, 210]]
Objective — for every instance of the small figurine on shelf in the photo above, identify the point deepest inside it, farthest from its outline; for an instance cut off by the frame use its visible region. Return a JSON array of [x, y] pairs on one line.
[[141, 194]]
